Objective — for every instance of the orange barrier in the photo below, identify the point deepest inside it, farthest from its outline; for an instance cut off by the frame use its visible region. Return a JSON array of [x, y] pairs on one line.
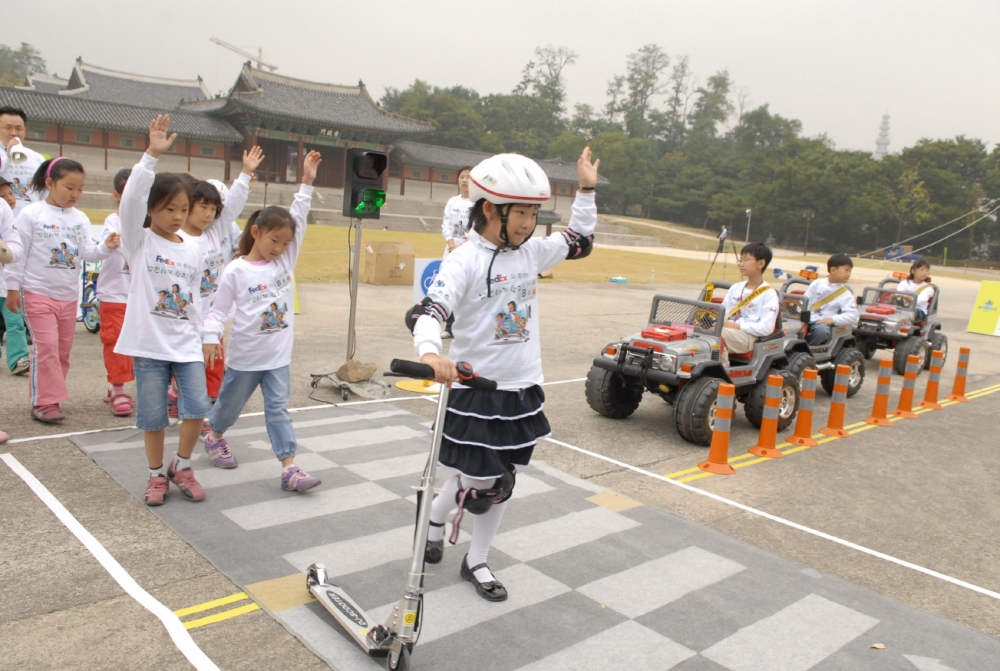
[[718, 452], [958, 391], [933, 382], [880, 408], [905, 407], [767, 440], [804, 422], [835, 423]]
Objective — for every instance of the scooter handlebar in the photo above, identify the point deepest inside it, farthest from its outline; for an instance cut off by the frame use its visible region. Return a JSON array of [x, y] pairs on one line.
[[421, 371]]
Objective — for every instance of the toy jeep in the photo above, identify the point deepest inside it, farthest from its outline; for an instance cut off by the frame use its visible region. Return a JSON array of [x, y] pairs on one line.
[[677, 357], [888, 321], [841, 349]]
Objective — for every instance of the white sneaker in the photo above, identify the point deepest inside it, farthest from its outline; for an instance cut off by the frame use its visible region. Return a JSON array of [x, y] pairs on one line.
[[22, 366]]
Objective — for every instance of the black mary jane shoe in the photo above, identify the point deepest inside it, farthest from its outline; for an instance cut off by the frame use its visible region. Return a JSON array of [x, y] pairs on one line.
[[491, 591], [434, 550]]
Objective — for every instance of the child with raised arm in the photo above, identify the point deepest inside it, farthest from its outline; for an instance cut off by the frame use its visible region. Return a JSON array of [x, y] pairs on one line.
[[751, 306], [46, 280], [210, 227], [259, 285], [488, 433], [830, 301], [162, 339]]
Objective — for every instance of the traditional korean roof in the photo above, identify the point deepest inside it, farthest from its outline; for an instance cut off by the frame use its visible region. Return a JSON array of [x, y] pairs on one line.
[[62, 109], [434, 156], [268, 94], [44, 84], [112, 86]]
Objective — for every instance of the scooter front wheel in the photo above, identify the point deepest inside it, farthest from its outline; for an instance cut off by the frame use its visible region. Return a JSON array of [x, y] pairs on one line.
[[402, 662]]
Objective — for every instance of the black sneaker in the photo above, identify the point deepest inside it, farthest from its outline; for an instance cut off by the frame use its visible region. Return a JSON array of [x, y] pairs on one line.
[[434, 550], [491, 591]]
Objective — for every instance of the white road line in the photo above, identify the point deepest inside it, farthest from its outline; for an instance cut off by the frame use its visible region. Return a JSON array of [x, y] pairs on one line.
[[180, 636], [796, 638], [655, 583], [627, 645], [562, 533], [782, 520], [314, 504]]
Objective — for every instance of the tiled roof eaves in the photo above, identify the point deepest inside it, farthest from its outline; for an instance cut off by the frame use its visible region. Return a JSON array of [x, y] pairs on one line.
[[244, 101]]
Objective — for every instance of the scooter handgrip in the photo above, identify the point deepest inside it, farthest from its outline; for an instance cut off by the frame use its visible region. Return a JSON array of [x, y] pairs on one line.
[[414, 369], [480, 383]]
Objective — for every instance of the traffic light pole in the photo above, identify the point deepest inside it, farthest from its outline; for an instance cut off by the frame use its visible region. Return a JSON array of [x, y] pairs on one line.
[[355, 273]]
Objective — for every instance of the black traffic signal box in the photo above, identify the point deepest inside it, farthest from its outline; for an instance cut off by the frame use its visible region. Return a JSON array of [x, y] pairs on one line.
[[364, 194]]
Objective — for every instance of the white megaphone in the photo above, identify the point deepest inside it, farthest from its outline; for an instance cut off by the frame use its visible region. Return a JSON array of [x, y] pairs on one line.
[[18, 153]]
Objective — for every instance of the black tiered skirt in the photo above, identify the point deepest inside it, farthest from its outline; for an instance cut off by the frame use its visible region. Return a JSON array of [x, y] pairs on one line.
[[485, 432]]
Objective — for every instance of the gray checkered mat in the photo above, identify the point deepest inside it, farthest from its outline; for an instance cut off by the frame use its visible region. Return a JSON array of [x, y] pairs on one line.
[[595, 581]]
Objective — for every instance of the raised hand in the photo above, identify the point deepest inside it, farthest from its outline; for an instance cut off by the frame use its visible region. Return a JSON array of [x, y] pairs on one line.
[[586, 170], [252, 159], [309, 167], [159, 142], [113, 241]]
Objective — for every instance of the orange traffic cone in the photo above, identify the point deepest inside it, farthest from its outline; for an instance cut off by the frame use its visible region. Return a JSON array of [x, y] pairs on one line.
[[835, 423], [880, 408], [958, 391], [905, 407], [768, 437], [933, 382], [718, 452], [804, 422]]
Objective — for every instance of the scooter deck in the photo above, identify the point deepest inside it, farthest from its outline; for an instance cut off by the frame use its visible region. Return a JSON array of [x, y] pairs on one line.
[[349, 614]]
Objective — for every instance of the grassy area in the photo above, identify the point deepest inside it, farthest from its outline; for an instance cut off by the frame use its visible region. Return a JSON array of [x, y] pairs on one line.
[[668, 238]]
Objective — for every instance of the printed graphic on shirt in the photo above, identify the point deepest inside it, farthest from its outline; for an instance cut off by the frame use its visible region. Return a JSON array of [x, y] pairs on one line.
[[208, 282], [125, 268], [273, 318], [512, 325], [172, 303], [459, 229], [63, 257], [20, 192]]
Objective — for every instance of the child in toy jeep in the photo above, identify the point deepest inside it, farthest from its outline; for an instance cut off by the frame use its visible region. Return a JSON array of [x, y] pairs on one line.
[[681, 357], [901, 315]]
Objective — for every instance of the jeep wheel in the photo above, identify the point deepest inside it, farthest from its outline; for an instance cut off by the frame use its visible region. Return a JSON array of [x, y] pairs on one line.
[[939, 341], [608, 396], [798, 362], [867, 348], [694, 412], [854, 360], [904, 348], [788, 403]]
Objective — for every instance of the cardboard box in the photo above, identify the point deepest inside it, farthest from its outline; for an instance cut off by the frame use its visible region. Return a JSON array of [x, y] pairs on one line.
[[389, 263]]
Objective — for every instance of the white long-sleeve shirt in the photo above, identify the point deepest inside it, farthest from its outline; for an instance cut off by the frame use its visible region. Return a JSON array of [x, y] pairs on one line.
[[925, 295], [498, 333], [115, 278], [56, 241], [455, 223], [20, 174], [261, 292], [8, 233], [756, 317], [842, 309], [163, 295]]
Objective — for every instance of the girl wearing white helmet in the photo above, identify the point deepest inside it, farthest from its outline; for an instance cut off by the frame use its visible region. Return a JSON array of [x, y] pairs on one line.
[[490, 285]]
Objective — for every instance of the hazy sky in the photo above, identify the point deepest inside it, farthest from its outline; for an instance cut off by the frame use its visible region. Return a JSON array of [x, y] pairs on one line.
[[835, 65]]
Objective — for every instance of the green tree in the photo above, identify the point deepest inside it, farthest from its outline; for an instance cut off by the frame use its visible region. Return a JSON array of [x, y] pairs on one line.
[[712, 106], [452, 111], [17, 64], [544, 76], [567, 146], [643, 73], [523, 124]]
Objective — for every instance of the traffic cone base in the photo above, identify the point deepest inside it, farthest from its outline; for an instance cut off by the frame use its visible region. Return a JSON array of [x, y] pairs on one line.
[[830, 431], [878, 421], [930, 406], [798, 440], [957, 399], [905, 414], [769, 452], [717, 469]]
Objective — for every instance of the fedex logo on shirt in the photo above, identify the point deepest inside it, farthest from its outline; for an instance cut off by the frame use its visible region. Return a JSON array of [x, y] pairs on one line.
[[51, 227], [166, 262], [259, 287], [498, 278]]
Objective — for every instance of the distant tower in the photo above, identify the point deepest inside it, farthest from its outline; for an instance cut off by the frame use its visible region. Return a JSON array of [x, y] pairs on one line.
[[882, 143]]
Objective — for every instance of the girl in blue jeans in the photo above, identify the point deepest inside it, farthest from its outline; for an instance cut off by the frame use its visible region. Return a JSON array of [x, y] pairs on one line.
[[259, 285]]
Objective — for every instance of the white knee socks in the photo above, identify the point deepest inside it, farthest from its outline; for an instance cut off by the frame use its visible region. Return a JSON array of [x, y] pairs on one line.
[[483, 529]]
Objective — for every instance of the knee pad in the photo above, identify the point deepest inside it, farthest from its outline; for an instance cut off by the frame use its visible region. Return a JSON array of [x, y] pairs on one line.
[[478, 501]]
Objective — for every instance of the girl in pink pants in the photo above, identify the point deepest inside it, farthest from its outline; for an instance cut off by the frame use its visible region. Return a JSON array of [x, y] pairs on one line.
[[45, 281]]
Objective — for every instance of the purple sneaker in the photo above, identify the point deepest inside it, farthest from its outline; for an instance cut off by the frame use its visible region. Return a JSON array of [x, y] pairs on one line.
[[297, 480], [219, 452]]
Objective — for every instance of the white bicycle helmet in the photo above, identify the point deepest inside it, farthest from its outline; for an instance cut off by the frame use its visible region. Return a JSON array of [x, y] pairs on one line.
[[221, 188], [509, 178]]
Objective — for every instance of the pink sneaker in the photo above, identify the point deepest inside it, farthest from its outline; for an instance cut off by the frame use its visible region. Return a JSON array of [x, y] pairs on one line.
[[219, 452], [185, 481], [297, 480], [206, 431], [156, 490]]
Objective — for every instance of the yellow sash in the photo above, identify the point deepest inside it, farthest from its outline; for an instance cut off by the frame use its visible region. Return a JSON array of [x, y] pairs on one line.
[[749, 299], [832, 296]]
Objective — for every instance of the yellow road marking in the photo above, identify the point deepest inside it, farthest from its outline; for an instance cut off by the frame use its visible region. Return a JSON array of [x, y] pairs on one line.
[[613, 501], [281, 593], [209, 605], [750, 459], [219, 617]]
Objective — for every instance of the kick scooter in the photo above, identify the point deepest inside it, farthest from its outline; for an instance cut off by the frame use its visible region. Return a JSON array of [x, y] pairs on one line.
[[396, 637]]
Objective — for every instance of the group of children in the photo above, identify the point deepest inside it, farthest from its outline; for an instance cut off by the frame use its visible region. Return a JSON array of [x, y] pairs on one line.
[[175, 268]]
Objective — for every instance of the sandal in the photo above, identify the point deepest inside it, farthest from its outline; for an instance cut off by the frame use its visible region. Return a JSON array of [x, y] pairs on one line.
[[121, 405], [435, 549], [491, 591]]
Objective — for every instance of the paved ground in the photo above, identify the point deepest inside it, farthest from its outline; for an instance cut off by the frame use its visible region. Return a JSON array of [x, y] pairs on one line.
[[919, 490]]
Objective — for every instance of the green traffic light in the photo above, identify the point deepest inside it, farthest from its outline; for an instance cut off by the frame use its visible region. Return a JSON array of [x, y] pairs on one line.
[[370, 202]]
